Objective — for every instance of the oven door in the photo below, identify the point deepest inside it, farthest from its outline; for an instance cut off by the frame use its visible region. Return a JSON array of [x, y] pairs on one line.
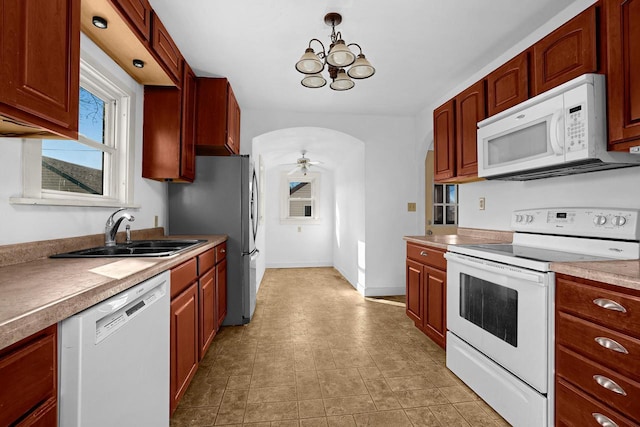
[[501, 311]]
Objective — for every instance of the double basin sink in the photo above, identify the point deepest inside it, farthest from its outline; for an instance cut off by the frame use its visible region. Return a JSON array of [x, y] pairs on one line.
[[137, 248]]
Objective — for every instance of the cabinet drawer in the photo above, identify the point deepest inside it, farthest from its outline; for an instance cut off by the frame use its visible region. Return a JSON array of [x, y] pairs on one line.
[[586, 301], [28, 375], [206, 261], [592, 378], [574, 408], [583, 336], [221, 252], [428, 256], [182, 276]]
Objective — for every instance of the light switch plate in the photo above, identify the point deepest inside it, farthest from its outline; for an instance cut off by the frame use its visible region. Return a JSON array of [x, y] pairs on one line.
[[411, 207]]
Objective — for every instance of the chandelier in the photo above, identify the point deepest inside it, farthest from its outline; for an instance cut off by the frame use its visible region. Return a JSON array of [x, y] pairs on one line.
[[338, 58]]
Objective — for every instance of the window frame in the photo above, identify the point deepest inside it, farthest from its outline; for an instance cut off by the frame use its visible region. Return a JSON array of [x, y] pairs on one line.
[[444, 204], [120, 101], [314, 179]]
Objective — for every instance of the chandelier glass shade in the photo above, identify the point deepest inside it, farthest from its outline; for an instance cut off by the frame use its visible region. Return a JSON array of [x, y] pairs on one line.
[[336, 60]]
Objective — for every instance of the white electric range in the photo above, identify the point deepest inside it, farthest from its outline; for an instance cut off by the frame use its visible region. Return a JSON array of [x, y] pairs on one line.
[[500, 302]]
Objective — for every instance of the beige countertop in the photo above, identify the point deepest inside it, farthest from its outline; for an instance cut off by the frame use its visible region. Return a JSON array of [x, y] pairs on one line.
[[624, 273], [40, 292], [465, 236]]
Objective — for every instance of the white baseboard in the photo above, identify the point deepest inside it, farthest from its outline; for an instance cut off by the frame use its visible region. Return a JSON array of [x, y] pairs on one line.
[[382, 291], [300, 264]]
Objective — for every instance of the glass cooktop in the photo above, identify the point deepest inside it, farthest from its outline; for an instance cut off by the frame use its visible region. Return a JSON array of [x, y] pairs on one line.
[[531, 253]]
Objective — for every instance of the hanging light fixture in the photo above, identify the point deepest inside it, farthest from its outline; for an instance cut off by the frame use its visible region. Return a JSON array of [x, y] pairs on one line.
[[339, 57]]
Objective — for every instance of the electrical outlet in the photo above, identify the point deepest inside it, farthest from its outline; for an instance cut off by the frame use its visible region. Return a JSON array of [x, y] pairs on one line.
[[411, 207], [481, 203]]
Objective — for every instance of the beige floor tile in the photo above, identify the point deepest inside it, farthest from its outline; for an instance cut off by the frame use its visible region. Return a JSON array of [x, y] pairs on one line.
[[311, 408], [274, 377], [475, 415], [382, 395], [341, 382], [414, 382], [197, 417], [284, 423], [422, 417], [458, 393], [370, 372], [272, 394], [307, 385], [417, 398], [239, 382], [349, 405], [314, 422], [271, 411], [383, 419], [232, 407], [449, 416], [341, 421]]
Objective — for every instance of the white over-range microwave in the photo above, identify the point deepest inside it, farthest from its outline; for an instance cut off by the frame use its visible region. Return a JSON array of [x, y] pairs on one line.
[[560, 132]]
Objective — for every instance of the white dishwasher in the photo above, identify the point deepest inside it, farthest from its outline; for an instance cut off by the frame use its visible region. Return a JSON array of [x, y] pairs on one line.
[[114, 360]]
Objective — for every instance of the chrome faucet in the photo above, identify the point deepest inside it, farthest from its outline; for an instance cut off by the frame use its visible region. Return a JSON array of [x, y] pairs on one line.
[[111, 227]]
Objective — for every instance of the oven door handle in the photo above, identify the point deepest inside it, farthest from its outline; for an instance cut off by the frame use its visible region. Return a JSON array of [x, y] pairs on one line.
[[497, 268]]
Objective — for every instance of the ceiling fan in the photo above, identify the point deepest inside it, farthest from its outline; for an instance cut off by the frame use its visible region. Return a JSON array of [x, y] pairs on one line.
[[303, 164]]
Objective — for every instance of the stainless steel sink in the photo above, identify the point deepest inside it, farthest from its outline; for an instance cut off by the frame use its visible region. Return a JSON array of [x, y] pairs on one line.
[[137, 248]]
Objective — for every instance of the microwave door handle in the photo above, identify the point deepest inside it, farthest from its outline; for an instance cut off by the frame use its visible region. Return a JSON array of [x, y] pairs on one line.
[[556, 123]]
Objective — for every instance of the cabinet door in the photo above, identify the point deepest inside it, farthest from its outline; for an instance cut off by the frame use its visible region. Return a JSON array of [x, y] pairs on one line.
[[470, 109], [414, 277], [184, 342], [221, 291], [188, 137], [444, 141], [566, 53], [161, 133], [435, 313], [165, 49], [623, 75], [40, 56], [508, 85], [207, 314], [137, 13], [233, 123]]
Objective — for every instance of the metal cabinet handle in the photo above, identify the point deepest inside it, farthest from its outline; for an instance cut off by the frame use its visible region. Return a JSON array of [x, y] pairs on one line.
[[424, 253], [611, 344], [609, 305], [609, 384], [604, 421], [223, 250]]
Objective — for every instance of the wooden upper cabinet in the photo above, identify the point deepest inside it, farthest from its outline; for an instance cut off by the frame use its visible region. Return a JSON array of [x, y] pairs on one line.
[[137, 13], [470, 109], [444, 141], [39, 52], [165, 49], [168, 130], [623, 72], [508, 85], [218, 118], [566, 53]]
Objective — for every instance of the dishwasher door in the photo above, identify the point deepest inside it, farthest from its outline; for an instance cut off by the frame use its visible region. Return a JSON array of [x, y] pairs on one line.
[[114, 360]]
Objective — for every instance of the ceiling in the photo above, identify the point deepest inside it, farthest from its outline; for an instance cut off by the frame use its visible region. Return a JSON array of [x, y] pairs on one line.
[[421, 49]]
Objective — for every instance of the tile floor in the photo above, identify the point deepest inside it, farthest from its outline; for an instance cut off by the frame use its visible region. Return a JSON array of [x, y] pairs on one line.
[[319, 354]]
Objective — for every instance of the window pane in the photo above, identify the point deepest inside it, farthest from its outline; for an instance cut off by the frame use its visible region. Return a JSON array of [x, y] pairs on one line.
[[438, 217], [300, 208], [300, 190], [451, 193], [91, 118], [71, 166], [437, 193], [451, 215]]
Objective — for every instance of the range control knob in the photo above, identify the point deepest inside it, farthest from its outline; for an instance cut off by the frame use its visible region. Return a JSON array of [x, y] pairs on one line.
[[518, 218], [619, 221], [600, 220], [529, 218]]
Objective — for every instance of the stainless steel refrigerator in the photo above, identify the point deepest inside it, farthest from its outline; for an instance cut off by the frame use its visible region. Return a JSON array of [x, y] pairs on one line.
[[223, 200]]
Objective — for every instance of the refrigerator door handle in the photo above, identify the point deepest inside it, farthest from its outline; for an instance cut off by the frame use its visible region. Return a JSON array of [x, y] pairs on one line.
[[253, 252]]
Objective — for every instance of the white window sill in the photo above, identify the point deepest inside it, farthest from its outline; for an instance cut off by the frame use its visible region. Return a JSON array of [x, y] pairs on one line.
[[71, 202], [300, 221]]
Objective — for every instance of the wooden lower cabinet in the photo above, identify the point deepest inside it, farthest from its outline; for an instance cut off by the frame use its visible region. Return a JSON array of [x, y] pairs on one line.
[[221, 291], [28, 372], [597, 372], [426, 291], [207, 314], [184, 342]]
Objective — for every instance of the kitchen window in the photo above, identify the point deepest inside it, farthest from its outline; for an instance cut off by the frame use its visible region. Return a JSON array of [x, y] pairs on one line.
[[299, 195], [445, 204], [93, 170]]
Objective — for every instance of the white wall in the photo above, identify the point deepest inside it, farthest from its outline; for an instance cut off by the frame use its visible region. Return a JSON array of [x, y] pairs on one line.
[[595, 189], [25, 223], [391, 181], [293, 245]]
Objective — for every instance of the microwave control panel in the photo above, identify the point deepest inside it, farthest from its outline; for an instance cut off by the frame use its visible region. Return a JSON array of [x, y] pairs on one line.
[[584, 222], [576, 127]]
